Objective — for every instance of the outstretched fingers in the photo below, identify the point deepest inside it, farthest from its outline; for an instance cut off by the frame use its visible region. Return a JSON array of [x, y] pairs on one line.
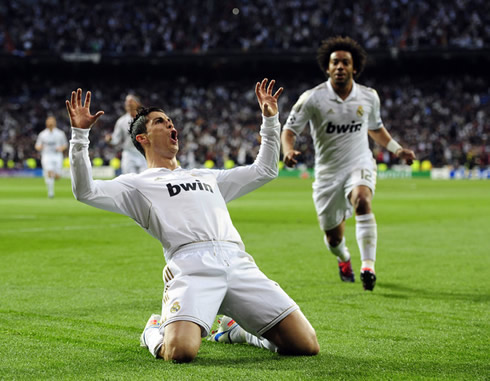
[[87, 99], [263, 85], [73, 99], [68, 108], [270, 87], [97, 115], [80, 116], [278, 92], [79, 97]]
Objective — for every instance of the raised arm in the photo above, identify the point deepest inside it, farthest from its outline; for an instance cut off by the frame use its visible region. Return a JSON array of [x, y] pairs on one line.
[[104, 194], [239, 181]]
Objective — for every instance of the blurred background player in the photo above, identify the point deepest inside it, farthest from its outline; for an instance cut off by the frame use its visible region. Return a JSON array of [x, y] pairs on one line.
[[341, 115], [51, 142], [132, 161]]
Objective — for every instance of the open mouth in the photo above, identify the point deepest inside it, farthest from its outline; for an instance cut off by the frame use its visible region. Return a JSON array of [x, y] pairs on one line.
[[173, 136]]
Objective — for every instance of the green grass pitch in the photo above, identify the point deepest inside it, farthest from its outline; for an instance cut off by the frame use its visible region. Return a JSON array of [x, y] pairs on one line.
[[78, 284]]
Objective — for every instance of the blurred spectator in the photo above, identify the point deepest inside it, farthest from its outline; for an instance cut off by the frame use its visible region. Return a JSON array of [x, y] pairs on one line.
[[195, 26], [445, 119]]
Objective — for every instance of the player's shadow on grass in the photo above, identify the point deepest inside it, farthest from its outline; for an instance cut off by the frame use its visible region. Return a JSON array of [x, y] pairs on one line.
[[402, 291]]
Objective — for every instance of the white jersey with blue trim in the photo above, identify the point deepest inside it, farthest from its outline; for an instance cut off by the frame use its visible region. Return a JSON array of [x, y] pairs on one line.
[[178, 206], [338, 127]]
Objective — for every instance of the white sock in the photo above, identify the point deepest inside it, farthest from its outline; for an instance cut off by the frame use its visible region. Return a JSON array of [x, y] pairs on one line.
[[153, 340], [50, 185], [341, 250], [367, 237], [239, 335], [367, 264], [260, 342]]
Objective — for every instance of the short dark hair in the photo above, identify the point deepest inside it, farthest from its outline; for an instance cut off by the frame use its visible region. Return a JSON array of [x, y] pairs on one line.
[[138, 125], [334, 44]]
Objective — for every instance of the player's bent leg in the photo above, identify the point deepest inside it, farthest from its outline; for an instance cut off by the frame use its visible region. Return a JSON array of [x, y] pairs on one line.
[[294, 335], [361, 198], [181, 341], [335, 242], [335, 236]]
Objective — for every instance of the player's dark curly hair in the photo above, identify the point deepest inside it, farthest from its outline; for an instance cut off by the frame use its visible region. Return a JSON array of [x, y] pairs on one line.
[[138, 125], [334, 44]]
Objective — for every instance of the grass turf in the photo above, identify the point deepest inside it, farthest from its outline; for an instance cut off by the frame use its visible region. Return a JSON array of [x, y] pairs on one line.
[[77, 285]]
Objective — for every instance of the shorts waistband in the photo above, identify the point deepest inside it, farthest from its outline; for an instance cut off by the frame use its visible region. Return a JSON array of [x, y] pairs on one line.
[[193, 246]]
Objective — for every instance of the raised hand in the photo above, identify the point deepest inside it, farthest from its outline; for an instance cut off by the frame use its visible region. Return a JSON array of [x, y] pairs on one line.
[[80, 116], [267, 101]]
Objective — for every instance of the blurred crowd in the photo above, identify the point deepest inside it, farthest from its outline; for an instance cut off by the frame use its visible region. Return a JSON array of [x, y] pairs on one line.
[[445, 120], [197, 26]]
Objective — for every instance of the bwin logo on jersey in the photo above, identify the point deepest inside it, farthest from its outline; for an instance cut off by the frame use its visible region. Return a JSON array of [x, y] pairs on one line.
[[343, 128], [174, 190]]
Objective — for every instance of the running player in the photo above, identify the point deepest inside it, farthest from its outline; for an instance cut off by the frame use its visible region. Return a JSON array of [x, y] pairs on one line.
[[132, 161], [208, 270], [51, 142], [341, 114]]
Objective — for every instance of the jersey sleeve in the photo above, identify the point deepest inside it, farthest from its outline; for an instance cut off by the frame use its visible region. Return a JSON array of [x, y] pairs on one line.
[[118, 195], [299, 114], [374, 121], [236, 182]]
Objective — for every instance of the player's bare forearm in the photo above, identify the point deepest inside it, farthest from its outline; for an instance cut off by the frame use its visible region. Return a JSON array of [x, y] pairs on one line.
[[288, 139], [381, 136]]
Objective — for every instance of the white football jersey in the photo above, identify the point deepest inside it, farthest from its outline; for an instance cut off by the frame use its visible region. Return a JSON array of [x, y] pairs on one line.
[[120, 135], [338, 127], [51, 140], [181, 206]]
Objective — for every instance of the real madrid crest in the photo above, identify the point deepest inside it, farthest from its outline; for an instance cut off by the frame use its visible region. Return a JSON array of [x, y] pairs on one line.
[[360, 111], [175, 307]]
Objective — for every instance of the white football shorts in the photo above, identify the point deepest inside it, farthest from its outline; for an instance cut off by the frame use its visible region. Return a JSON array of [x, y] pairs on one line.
[[209, 278], [331, 194], [52, 162]]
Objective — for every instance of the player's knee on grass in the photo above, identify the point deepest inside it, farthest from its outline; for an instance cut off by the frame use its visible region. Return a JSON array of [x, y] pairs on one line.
[[181, 341], [179, 350], [294, 335]]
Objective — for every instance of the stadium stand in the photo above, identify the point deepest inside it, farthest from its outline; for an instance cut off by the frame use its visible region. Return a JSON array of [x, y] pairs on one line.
[[428, 65], [120, 27]]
